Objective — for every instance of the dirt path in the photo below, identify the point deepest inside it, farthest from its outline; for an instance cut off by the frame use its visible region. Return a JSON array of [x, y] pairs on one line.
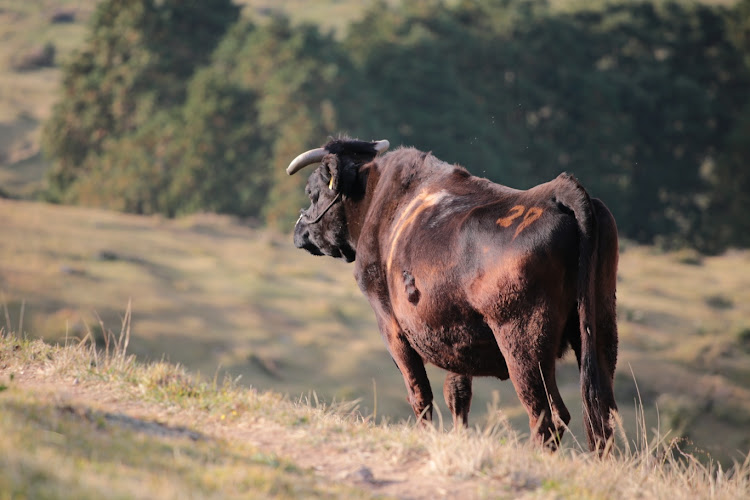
[[373, 471]]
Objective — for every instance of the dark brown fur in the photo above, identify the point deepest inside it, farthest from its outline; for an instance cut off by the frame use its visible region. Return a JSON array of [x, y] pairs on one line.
[[475, 277]]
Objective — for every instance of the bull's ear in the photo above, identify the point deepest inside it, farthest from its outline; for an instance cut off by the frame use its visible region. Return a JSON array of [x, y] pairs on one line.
[[331, 163]]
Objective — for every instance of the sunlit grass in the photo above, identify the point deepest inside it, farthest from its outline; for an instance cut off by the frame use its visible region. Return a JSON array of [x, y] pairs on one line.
[[143, 430]]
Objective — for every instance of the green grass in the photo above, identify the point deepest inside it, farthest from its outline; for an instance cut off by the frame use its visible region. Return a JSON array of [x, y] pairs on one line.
[[27, 97]]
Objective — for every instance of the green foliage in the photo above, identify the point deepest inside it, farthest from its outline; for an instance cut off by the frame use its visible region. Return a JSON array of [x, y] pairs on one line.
[[218, 138], [641, 100], [726, 219], [679, 82], [739, 27], [131, 172], [134, 65], [630, 97], [305, 85]]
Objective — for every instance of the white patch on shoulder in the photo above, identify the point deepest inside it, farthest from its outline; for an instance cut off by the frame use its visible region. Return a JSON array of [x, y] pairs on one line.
[[415, 207]]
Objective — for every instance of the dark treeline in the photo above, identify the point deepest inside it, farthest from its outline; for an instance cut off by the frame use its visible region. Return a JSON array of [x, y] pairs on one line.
[[174, 107]]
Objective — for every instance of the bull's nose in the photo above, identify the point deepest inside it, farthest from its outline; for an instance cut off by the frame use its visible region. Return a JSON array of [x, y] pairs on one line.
[[301, 238]]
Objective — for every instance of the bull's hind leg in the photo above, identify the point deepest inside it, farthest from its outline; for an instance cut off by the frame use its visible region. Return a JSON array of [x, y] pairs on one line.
[[457, 393], [530, 357]]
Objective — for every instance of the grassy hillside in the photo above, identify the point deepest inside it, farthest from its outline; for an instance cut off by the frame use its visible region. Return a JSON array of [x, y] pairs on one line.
[[221, 297], [76, 423], [80, 425]]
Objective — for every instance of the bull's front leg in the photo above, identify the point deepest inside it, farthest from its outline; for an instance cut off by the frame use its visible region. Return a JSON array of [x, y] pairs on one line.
[[411, 366], [372, 281]]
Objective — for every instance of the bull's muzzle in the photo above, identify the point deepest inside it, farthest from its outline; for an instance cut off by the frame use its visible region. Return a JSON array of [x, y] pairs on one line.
[[302, 237]]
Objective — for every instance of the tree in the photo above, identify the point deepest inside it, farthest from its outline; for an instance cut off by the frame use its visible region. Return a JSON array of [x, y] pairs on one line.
[[131, 173], [135, 63], [726, 219], [632, 97], [219, 157], [305, 89], [641, 100]]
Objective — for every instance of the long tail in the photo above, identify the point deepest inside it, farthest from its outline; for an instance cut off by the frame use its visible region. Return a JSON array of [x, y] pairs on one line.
[[595, 410]]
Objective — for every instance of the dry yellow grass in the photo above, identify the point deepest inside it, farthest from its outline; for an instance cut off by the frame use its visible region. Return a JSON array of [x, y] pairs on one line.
[[79, 424]]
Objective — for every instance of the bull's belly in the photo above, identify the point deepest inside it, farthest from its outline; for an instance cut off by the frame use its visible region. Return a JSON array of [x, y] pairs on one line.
[[467, 349]]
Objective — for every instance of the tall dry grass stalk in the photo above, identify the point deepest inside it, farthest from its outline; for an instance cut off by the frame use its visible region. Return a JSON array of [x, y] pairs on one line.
[[115, 346]]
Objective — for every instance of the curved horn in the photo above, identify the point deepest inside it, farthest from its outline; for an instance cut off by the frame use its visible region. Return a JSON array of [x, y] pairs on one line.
[[305, 159], [381, 146]]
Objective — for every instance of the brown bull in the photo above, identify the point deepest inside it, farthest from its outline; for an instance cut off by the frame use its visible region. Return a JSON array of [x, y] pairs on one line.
[[474, 277]]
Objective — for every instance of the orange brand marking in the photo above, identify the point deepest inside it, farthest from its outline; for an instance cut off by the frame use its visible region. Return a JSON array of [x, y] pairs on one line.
[[533, 214], [514, 213]]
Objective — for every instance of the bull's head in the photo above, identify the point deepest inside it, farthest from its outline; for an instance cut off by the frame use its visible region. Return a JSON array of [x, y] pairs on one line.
[[323, 229]]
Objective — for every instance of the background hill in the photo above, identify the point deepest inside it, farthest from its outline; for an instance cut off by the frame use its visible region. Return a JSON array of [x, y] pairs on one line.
[[221, 294], [220, 297]]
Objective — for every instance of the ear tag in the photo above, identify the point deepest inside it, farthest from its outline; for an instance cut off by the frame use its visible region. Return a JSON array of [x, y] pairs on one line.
[[330, 184]]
